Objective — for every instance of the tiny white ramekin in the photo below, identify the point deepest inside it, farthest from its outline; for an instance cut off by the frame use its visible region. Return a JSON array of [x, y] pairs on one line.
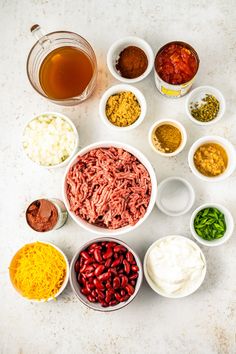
[[228, 220], [229, 148], [69, 121], [101, 230], [65, 282], [117, 89], [152, 284], [197, 95], [116, 49], [176, 124], [161, 190]]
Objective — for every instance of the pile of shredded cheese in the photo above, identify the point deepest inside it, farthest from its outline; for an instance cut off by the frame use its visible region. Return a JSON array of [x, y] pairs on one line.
[[38, 271]]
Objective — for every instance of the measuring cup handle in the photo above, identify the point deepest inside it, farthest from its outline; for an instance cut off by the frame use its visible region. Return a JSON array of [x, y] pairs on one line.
[[40, 35]]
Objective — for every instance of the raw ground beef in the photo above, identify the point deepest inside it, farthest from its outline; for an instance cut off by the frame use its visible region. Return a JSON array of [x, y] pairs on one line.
[[108, 187]]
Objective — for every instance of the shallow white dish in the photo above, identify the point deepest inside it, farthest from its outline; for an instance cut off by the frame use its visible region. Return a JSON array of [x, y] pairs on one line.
[[153, 285], [175, 196], [122, 88], [197, 95], [229, 148], [175, 123], [69, 121], [116, 49], [228, 220], [65, 282], [142, 158]]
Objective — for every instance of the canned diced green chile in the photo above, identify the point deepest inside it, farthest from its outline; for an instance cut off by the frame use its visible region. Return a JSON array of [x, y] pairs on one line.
[[176, 66]]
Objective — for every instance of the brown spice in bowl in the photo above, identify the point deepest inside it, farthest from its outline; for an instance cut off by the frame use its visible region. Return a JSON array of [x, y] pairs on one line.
[[167, 138]]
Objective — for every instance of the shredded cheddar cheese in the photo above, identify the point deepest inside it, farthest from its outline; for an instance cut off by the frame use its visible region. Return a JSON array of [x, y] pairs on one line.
[[37, 271]]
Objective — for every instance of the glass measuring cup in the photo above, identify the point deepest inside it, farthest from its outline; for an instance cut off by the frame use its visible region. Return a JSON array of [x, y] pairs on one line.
[[45, 44]]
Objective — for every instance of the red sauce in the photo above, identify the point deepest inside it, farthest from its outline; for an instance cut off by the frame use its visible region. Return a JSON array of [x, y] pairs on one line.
[[176, 64]]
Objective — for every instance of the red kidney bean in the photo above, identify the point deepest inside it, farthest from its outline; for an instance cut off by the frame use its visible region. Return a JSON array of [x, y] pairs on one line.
[[90, 286], [126, 266], [115, 255], [110, 291], [108, 263], [116, 262], [124, 281], [111, 244], [94, 293], [129, 257], [104, 304], [89, 261], [100, 294], [108, 253], [133, 276], [77, 266], [99, 269], [91, 298], [112, 271], [93, 246], [129, 288], [121, 271], [125, 298], [84, 254], [120, 248], [82, 269], [85, 291], [88, 269], [113, 303], [133, 282], [118, 297], [116, 283], [97, 255], [98, 284], [123, 292], [104, 276], [135, 268], [103, 243], [89, 275]]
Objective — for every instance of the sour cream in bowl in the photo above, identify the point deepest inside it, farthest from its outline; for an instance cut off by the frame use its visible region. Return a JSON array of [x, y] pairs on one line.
[[50, 139], [174, 266]]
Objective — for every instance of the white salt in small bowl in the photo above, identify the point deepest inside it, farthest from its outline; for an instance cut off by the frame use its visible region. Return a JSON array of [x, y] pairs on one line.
[[175, 196]]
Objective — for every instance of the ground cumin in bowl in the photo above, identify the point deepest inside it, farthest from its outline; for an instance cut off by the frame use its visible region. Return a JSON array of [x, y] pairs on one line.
[[167, 137]]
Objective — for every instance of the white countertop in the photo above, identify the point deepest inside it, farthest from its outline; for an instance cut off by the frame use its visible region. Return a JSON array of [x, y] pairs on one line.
[[203, 323]]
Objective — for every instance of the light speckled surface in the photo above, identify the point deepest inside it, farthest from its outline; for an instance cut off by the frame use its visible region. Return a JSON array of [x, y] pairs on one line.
[[203, 323]]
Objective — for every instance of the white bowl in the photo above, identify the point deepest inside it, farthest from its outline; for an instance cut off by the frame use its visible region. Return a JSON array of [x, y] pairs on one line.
[[122, 88], [169, 188], [229, 148], [65, 282], [228, 220], [116, 49], [143, 159], [69, 121], [197, 95], [76, 287], [153, 285], [177, 125]]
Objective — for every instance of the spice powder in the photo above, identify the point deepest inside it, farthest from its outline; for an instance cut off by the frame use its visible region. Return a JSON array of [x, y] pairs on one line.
[[167, 138]]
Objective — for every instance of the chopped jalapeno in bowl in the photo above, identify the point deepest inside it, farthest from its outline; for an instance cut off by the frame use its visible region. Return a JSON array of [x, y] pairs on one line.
[[211, 224]]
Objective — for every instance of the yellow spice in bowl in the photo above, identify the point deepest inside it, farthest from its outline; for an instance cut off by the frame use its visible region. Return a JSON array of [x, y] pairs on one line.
[[37, 271], [123, 109], [211, 159]]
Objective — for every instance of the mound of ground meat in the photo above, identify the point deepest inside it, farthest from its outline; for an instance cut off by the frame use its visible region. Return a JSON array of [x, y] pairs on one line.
[[108, 187]]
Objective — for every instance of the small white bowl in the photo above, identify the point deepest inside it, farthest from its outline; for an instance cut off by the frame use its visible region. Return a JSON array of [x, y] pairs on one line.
[[142, 158], [176, 189], [229, 148], [65, 282], [116, 49], [228, 220], [69, 121], [197, 95], [122, 88], [177, 125], [76, 287], [153, 285]]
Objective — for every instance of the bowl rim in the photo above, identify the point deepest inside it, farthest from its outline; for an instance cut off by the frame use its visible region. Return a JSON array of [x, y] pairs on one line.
[[150, 282], [220, 98], [144, 45], [229, 223], [69, 121], [191, 193], [65, 282], [139, 155], [117, 89], [81, 296], [227, 145], [174, 122]]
